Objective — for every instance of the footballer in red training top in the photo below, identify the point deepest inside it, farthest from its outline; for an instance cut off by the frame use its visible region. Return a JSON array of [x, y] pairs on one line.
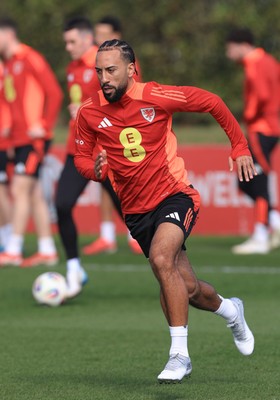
[[132, 122]]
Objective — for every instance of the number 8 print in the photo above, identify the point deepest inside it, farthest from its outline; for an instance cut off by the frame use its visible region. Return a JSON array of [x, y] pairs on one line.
[[131, 140]]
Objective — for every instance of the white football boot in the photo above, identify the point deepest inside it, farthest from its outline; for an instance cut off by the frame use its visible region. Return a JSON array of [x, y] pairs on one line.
[[176, 369], [243, 337], [252, 246], [75, 282]]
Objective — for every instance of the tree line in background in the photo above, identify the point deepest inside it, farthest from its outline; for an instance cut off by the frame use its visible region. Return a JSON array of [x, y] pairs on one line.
[[177, 41]]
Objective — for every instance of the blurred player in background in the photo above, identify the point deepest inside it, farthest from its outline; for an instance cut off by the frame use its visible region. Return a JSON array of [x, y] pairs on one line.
[[261, 116], [108, 28], [5, 148], [34, 98], [158, 200], [82, 83]]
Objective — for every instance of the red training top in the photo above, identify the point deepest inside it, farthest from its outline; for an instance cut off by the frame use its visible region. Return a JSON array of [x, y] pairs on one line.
[[141, 146], [82, 82], [32, 92]]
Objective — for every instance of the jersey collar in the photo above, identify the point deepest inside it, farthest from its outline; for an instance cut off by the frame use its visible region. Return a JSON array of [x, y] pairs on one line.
[[21, 50], [132, 93], [254, 55], [88, 58]]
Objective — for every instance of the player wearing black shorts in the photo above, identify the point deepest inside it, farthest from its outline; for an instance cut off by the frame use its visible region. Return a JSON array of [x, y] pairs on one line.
[[158, 201], [28, 159], [82, 82], [261, 117], [5, 203], [27, 162], [33, 97], [3, 166]]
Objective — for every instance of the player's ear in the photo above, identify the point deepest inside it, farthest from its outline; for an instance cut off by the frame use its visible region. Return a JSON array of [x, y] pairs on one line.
[[131, 70]]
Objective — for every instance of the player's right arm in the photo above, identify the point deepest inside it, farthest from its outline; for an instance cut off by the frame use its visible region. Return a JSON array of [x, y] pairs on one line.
[[85, 141], [5, 119], [5, 115], [74, 90]]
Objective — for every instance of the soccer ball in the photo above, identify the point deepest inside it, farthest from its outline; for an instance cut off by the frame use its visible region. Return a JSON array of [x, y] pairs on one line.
[[50, 289]]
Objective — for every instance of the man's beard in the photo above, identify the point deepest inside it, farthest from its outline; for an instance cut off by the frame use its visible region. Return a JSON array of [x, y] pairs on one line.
[[116, 95]]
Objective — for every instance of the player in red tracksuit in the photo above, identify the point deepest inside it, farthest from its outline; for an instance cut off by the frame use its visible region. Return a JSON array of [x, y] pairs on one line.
[[34, 98], [5, 145], [132, 122], [82, 81], [261, 117]]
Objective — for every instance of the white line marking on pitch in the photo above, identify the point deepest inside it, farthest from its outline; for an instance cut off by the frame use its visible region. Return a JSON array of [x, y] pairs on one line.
[[207, 269]]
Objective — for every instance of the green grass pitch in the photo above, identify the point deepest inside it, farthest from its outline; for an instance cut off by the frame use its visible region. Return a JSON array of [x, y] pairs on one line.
[[112, 341]]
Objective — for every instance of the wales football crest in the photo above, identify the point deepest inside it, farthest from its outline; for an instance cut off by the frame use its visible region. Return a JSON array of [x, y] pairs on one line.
[[148, 113]]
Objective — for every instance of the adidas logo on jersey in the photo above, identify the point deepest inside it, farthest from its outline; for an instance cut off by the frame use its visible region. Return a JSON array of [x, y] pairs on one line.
[[174, 215], [105, 123]]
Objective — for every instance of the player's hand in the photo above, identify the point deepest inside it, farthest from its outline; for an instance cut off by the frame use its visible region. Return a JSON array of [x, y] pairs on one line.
[[100, 161], [36, 131], [245, 168], [73, 110], [5, 132]]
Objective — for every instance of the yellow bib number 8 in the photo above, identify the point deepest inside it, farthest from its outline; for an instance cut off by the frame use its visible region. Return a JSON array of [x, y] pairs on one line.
[[9, 89], [76, 93], [131, 140]]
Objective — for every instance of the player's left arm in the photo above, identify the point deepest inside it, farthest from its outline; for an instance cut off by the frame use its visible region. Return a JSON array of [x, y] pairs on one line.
[[199, 100], [240, 152], [245, 167], [259, 92], [53, 95]]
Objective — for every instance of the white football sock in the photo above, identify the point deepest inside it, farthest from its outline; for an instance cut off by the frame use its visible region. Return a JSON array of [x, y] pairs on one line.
[[73, 276], [5, 234], [274, 219], [14, 246], [46, 246], [107, 231], [227, 310], [2, 236], [179, 340], [73, 264]]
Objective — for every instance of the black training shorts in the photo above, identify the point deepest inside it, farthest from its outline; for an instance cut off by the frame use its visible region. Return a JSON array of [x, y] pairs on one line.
[[29, 158], [177, 209], [3, 166]]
